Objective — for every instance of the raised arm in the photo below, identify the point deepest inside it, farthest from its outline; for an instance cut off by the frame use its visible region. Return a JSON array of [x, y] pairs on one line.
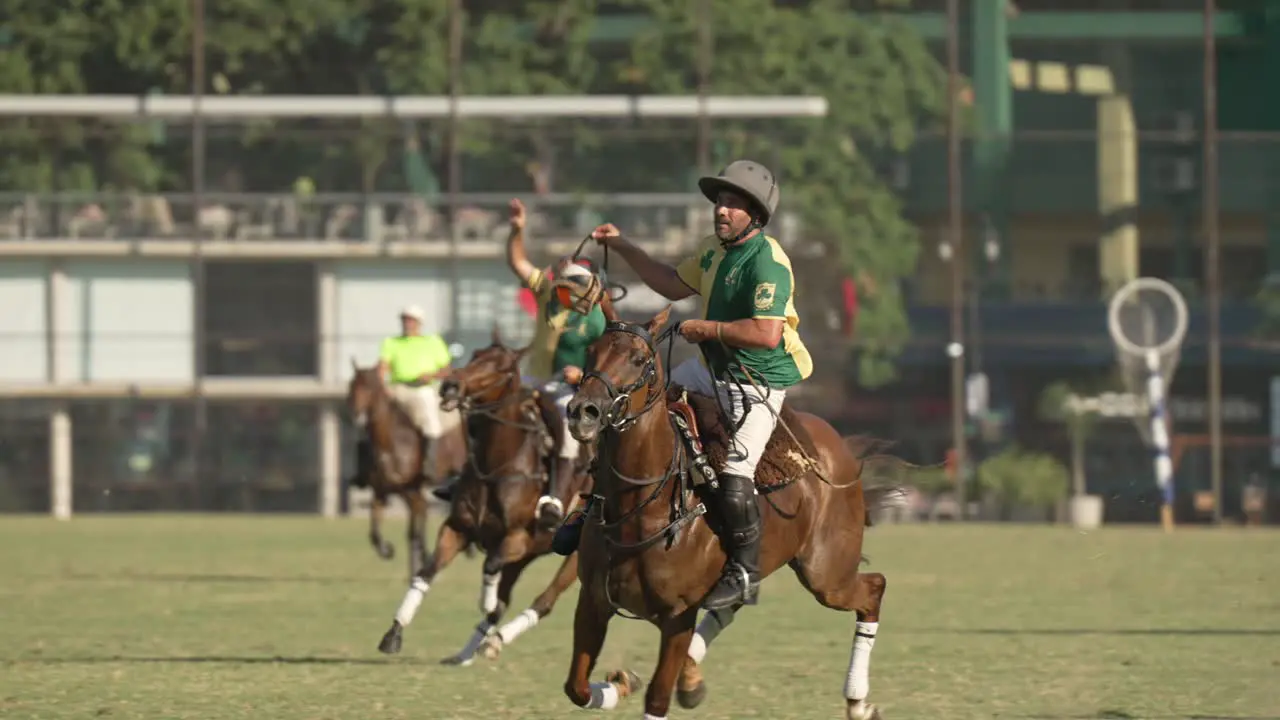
[[517, 258], [658, 275]]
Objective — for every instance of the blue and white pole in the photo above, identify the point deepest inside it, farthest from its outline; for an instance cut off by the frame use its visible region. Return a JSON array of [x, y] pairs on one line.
[[1160, 438]]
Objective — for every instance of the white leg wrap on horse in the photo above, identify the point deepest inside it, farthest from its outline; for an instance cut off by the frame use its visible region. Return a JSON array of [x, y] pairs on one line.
[[604, 696], [647, 716], [489, 593], [858, 682], [697, 648], [412, 599], [518, 626]]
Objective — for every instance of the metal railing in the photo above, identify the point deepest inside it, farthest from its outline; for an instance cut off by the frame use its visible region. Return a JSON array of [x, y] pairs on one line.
[[479, 219]]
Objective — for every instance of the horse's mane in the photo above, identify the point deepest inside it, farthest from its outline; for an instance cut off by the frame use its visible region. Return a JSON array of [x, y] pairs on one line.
[[369, 377]]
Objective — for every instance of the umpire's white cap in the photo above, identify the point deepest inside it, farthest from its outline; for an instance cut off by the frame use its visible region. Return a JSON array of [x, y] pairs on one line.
[[415, 312]]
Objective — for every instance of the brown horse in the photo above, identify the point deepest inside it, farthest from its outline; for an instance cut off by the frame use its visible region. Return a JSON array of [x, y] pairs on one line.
[[644, 551], [395, 458], [510, 434]]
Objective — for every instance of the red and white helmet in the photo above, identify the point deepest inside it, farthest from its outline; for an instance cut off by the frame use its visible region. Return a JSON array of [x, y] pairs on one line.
[[577, 288]]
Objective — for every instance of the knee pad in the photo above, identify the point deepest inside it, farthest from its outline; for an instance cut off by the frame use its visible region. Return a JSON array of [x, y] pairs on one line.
[[738, 508]]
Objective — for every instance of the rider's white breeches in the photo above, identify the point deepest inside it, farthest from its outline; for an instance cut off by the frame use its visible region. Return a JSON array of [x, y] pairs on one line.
[[562, 392], [750, 440]]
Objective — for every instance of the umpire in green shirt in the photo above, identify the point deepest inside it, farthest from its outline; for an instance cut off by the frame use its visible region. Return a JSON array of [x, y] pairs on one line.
[[412, 365]]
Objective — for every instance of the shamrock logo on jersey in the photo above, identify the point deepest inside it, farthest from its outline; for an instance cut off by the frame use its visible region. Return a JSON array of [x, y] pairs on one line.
[[765, 293]]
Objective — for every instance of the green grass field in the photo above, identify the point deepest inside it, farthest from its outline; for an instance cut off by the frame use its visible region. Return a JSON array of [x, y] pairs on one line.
[[259, 617]]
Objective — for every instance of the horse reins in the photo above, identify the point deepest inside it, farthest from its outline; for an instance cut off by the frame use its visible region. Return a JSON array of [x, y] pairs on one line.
[[808, 459], [605, 284], [622, 396], [619, 416]]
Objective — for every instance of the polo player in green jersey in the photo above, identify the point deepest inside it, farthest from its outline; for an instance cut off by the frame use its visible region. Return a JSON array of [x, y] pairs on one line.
[[748, 338]]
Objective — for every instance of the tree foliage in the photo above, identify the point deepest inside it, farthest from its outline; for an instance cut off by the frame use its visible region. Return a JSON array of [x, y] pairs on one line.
[[880, 79], [882, 85], [1017, 477]]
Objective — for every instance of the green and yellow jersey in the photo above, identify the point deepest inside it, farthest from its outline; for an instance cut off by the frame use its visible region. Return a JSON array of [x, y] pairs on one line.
[[561, 336], [751, 280], [409, 357]]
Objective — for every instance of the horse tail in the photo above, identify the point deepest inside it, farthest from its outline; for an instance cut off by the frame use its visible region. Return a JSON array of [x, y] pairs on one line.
[[884, 476]]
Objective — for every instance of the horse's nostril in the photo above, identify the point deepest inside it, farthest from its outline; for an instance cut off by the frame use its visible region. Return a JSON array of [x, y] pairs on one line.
[[590, 412]]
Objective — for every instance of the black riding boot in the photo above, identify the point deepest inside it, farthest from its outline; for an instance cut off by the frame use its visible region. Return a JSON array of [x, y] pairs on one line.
[[429, 451], [740, 532], [558, 472], [364, 465], [445, 491], [569, 535]]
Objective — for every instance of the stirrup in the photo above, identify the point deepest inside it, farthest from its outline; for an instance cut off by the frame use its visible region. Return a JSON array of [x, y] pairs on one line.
[[747, 592]]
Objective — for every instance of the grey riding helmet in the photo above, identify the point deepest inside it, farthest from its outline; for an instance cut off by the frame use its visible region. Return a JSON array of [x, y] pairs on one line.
[[749, 179]]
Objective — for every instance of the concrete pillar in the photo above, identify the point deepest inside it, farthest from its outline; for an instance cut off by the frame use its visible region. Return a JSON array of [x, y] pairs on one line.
[[330, 461], [329, 370], [61, 480], [60, 477]]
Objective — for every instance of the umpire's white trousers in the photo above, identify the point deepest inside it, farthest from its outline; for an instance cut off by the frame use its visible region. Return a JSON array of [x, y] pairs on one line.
[[423, 405]]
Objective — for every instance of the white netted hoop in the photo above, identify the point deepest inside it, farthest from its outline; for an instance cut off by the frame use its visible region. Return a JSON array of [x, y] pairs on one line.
[[1139, 347], [1147, 363]]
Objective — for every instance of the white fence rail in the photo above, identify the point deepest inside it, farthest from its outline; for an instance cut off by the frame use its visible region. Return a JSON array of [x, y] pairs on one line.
[[418, 106]]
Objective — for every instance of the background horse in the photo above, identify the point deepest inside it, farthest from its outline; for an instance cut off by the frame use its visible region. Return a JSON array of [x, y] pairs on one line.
[[495, 501], [393, 460], [644, 551]]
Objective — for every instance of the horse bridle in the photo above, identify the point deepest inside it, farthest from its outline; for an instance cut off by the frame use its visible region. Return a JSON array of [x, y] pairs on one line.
[[463, 402], [619, 416], [361, 419]]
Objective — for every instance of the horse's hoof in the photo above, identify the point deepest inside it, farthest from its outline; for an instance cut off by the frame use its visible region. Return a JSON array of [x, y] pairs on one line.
[[385, 550], [861, 710], [491, 648], [393, 640], [691, 689], [628, 682], [458, 661], [690, 699]]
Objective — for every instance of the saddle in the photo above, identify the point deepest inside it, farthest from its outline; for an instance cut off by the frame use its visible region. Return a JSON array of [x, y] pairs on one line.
[[697, 417], [541, 420]]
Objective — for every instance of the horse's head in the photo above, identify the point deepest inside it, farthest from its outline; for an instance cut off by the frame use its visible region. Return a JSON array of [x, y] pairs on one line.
[[623, 373], [492, 372], [364, 388]]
